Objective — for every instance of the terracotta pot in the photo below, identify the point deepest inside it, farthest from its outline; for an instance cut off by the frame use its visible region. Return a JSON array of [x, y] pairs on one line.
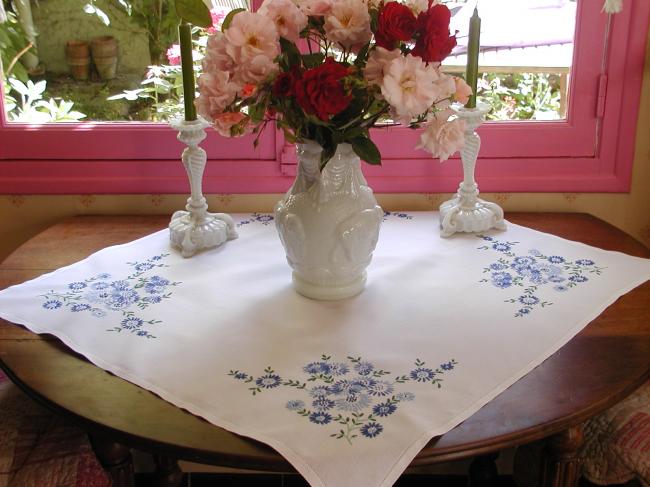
[[104, 50], [77, 54]]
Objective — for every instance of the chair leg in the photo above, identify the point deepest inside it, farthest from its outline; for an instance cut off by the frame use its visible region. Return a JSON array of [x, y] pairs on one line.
[[116, 460], [561, 460], [483, 471], [168, 473]]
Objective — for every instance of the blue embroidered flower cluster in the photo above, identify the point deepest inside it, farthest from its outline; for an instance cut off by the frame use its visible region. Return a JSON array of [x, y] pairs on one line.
[[353, 394], [101, 294], [532, 271], [403, 216], [262, 218]]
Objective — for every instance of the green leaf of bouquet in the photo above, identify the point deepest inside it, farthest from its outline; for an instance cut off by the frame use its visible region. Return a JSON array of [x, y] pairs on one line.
[[228, 20], [328, 152], [256, 112], [366, 150], [194, 12], [312, 60], [291, 51]]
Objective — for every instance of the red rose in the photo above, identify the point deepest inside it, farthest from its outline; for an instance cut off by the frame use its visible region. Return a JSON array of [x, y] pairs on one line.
[[283, 85], [319, 91], [396, 23], [434, 42]]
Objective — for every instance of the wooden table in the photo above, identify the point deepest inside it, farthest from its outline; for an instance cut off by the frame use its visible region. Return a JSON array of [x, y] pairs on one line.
[[600, 366]]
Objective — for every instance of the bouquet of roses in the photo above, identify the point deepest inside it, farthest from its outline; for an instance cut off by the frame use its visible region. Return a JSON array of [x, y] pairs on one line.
[[329, 70]]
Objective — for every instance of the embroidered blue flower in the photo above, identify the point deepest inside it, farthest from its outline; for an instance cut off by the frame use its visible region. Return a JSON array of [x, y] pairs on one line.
[[317, 368], [152, 299], [75, 286], [556, 279], [422, 374], [502, 279], [524, 311], [120, 285], [524, 261], [98, 313], [578, 278], [353, 403], [485, 237], [535, 253], [103, 275], [76, 308], [556, 259], [497, 266], [240, 375], [99, 286], [560, 288], [121, 298], [131, 323], [264, 219], [320, 391], [52, 304], [144, 266], [528, 300], [295, 405], [156, 257], [447, 366], [380, 388], [339, 368], [268, 381], [322, 404], [405, 396], [585, 262], [501, 247], [370, 430], [158, 281], [320, 417], [364, 368], [384, 409]]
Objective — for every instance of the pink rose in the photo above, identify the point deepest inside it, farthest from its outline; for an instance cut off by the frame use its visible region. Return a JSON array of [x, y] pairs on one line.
[[289, 20], [216, 92], [348, 23], [174, 55], [463, 91], [317, 8], [442, 138], [377, 61], [231, 124]]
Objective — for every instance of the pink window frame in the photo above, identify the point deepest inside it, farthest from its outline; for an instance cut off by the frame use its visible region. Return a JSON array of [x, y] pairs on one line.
[[591, 151]]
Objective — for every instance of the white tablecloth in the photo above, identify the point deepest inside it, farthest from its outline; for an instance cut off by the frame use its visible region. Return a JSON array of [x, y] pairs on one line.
[[347, 391]]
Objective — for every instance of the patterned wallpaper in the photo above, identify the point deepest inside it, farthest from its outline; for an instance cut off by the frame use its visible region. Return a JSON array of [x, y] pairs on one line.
[[23, 216]]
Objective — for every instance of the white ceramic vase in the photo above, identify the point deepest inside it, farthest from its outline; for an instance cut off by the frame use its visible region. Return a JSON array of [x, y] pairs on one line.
[[329, 224]]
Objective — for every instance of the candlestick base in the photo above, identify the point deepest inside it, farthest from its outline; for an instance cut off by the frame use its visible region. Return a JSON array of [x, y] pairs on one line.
[[481, 216], [189, 235], [467, 212], [196, 229]]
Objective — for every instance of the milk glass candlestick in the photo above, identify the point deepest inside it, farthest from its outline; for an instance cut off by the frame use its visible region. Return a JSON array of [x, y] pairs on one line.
[[467, 212], [195, 228]]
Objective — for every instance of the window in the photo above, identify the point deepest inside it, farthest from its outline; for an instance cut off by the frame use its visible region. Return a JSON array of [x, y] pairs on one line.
[[588, 146]]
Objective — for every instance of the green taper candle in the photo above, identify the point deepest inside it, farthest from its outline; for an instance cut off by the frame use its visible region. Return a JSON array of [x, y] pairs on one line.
[[473, 44], [187, 65]]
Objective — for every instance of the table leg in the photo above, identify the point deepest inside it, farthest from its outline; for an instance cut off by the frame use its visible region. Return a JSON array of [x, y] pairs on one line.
[[561, 461], [116, 460], [483, 471], [168, 473]]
